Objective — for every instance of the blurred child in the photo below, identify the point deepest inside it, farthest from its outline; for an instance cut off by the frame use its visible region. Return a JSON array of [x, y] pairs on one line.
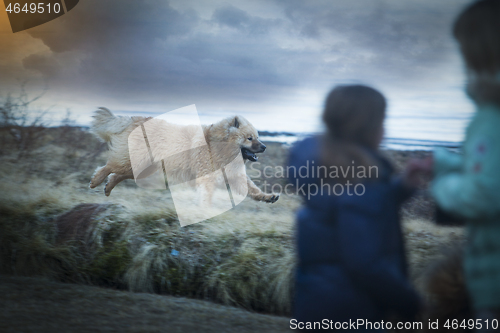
[[468, 185], [351, 258]]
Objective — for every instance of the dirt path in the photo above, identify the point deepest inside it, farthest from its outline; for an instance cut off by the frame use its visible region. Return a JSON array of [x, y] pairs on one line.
[[36, 305]]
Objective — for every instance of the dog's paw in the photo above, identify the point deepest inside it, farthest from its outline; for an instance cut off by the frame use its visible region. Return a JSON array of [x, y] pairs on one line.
[[106, 191], [271, 198]]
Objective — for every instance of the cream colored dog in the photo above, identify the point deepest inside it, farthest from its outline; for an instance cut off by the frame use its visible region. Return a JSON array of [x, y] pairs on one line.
[[201, 152]]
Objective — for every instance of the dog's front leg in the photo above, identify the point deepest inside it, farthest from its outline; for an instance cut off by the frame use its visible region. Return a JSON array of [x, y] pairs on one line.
[[255, 193]]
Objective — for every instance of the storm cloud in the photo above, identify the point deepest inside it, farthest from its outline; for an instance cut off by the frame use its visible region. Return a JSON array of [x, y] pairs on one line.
[[258, 57]]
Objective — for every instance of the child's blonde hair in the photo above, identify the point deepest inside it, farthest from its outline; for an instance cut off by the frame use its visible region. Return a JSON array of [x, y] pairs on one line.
[[354, 116]]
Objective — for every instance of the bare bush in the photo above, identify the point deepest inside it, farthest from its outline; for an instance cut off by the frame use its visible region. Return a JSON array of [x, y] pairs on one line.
[[21, 127]]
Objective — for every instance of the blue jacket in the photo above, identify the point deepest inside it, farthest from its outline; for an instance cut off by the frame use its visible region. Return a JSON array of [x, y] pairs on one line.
[[351, 260]]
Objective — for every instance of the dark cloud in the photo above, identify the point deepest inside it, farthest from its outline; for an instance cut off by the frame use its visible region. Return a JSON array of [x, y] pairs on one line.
[[47, 65], [393, 35], [145, 51], [236, 18], [105, 25], [232, 17]]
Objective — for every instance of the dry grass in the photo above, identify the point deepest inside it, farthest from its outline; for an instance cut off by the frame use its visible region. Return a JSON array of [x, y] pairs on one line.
[[132, 239], [147, 251]]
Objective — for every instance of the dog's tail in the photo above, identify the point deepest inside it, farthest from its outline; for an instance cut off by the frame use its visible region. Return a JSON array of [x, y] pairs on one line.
[[106, 124]]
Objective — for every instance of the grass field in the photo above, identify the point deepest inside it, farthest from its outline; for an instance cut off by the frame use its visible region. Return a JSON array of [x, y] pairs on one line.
[[54, 227]]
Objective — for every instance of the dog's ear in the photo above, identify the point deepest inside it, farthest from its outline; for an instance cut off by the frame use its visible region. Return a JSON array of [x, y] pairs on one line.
[[235, 122]]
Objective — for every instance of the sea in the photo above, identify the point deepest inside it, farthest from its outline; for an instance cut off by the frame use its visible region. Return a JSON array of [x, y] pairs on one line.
[[387, 143], [410, 133]]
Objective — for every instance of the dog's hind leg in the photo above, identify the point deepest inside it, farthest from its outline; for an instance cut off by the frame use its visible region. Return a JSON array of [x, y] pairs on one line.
[[113, 180], [99, 175]]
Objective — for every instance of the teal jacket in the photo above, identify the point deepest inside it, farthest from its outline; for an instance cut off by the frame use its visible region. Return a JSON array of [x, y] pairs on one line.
[[468, 185]]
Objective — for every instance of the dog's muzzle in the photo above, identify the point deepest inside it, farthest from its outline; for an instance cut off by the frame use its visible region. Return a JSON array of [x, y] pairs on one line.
[[248, 155]]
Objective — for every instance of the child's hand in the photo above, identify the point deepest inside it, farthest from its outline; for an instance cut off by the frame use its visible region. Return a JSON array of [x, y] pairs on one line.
[[415, 169]]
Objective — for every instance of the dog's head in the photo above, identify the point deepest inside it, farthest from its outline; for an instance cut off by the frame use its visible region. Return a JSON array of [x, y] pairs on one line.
[[242, 132]]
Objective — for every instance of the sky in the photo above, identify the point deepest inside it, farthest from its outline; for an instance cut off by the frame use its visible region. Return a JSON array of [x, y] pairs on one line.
[[271, 61]]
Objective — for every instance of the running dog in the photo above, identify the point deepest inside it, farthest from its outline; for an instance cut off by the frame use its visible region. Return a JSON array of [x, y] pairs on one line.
[[200, 151]]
